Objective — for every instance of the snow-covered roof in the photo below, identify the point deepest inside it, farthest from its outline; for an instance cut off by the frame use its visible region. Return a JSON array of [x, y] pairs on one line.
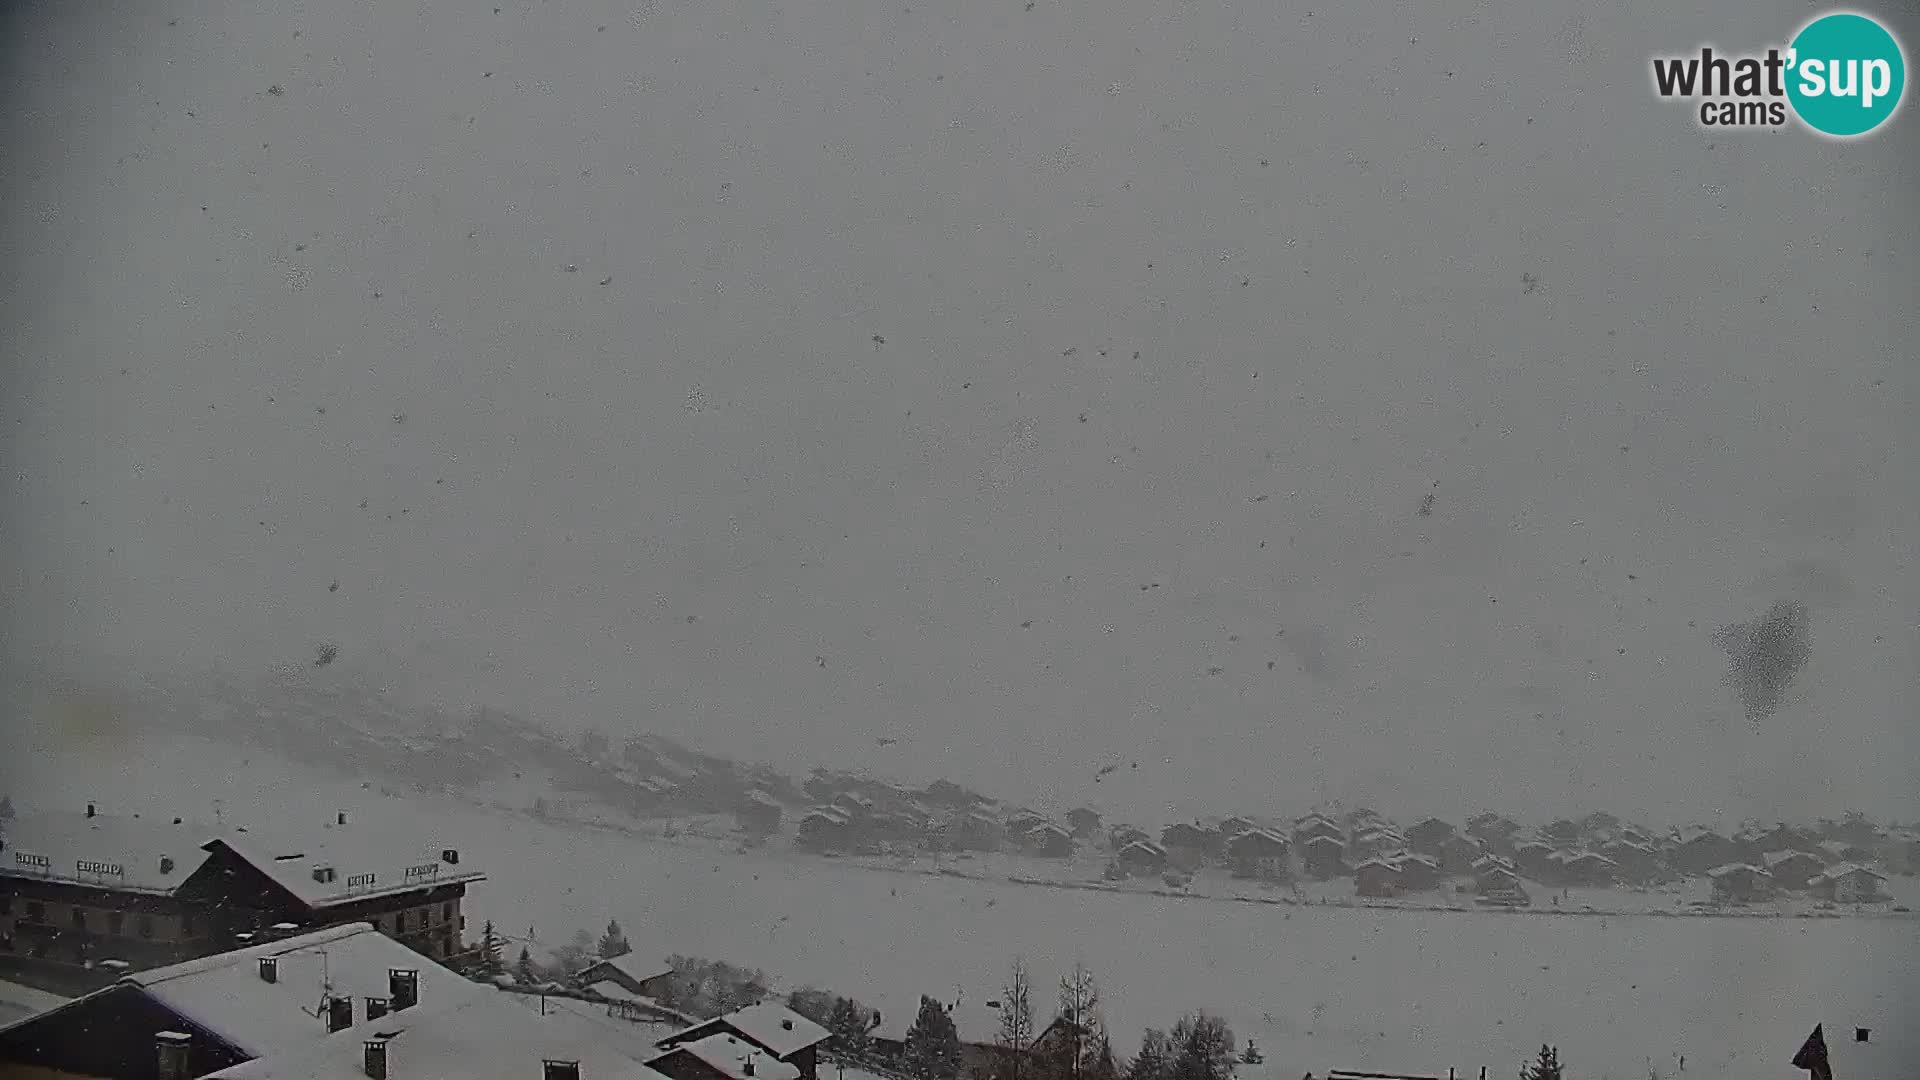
[[1049, 827], [637, 967], [609, 989], [733, 1058], [1384, 864], [347, 864], [113, 851], [1145, 847], [487, 1036], [1775, 858], [772, 1025], [1835, 873], [224, 993], [225, 996], [1259, 834], [1736, 868], [156, 855]]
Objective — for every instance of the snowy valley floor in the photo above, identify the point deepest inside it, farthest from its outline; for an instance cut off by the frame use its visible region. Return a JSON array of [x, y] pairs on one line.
[[1317, 987]]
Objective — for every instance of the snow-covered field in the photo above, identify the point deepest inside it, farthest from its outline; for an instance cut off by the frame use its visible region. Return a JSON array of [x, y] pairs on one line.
[[1316, 987]]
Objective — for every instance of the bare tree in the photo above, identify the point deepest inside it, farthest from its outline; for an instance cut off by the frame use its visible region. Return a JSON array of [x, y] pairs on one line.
[[1016, 1020], [1080, 1009]]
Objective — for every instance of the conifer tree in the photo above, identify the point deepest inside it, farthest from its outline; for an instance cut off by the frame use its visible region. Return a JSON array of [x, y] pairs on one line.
[[613, 943], [1544, 1066], [933, 1043]]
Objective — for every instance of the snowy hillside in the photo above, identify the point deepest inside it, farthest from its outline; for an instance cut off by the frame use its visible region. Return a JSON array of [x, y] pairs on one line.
[[1316, 988]]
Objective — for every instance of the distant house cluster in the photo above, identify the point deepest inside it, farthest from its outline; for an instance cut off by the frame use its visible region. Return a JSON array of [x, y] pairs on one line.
[[1494, 857], [1490, 856], [854, 815]]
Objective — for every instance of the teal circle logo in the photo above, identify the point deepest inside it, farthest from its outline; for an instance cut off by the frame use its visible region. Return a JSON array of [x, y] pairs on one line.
[[1846, 74]]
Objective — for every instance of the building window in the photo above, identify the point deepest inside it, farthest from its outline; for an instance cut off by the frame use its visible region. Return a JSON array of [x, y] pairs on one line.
[[146, 926], [116, 922], [79, 919], [400, 922], [36, 911], [446, 911]]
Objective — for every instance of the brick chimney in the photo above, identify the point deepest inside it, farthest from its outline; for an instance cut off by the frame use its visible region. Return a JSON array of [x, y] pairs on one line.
[[559, 1070], [377, 1008], [403, 987], [269, 969], [339, 1014], [175, 1051], [90, 810], [374, 1057]]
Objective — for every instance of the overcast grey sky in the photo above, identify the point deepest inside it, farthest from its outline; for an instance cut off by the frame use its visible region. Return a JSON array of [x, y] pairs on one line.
[[1040, 388]]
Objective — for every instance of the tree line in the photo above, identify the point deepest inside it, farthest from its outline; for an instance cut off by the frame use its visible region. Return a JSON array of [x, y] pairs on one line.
[[1073, 1045]]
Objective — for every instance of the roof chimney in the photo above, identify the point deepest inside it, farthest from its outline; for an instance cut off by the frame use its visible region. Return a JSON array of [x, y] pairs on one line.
[[1861, 1034], [559, 1070], [340, 817], [786, 1023], [377, 1008], [175, 1050], [90, 810], [166, 864], [339, 1014], [450, 856], [269, 969], [747, 1067], [403, 986], [375, 1057]]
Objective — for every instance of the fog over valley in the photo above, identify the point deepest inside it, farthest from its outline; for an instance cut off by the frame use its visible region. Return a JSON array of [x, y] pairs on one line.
[[1300, 402]]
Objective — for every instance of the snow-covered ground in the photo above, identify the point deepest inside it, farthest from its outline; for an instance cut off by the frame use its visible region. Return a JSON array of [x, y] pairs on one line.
[[1316, 987]]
